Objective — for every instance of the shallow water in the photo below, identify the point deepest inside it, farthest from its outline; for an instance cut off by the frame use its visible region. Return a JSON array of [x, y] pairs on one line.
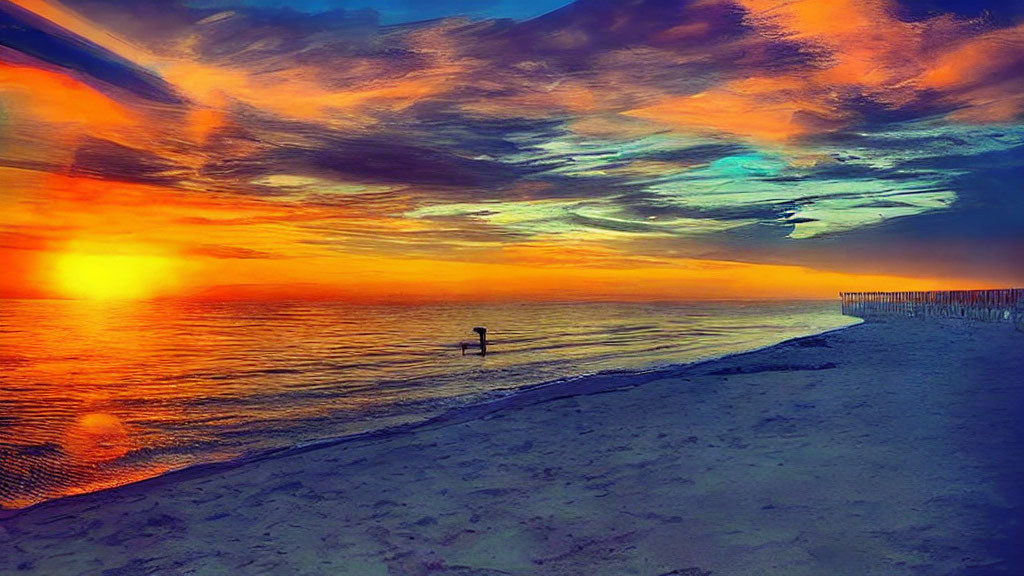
[[94, 395]]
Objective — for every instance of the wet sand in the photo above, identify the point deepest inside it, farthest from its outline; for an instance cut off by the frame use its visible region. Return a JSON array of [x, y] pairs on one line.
[[885, 448]]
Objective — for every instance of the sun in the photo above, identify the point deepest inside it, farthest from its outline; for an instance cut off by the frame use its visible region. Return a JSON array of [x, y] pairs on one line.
[[99, 276]]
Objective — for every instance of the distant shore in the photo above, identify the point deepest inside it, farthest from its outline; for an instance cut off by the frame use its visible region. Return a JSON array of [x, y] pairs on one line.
[[884, 448]]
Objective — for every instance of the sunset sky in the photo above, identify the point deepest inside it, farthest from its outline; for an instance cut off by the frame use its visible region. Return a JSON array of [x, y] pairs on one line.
[[404, 150]]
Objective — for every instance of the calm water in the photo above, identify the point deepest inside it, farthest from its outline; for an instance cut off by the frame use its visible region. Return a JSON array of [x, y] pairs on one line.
[[99, 394]]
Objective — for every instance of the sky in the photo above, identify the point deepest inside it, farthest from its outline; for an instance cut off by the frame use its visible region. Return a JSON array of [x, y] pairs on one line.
[[395, 150]]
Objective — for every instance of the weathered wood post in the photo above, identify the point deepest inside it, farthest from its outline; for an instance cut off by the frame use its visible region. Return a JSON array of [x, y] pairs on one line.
[[483, 339], [1005, 305]]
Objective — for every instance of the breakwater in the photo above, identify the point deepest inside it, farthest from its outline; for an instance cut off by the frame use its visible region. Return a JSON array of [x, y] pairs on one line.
[[1006, 305]]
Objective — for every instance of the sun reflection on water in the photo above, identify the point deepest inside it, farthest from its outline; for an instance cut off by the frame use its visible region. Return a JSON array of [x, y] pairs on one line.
[[96, 393], [96, 437]]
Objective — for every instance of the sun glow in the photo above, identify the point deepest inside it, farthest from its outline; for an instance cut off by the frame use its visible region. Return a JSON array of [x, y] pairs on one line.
[[113, 276]]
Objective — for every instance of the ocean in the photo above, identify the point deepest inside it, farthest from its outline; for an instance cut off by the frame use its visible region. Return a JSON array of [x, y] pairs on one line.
[[99, 394]]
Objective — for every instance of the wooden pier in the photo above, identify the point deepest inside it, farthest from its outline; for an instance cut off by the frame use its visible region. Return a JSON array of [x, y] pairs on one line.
[[1005, 305]]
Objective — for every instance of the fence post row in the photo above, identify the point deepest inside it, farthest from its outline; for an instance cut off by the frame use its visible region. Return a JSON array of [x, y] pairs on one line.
[[1005, 305]]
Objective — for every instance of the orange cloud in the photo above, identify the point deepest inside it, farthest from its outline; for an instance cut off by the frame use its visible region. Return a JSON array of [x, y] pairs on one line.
[[75, 23], [58, 98], [983, 74], [298, 93], [867, 45], [864, 51], [767, 109]]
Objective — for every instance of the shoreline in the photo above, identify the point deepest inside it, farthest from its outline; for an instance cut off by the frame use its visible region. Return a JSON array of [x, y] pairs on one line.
[[500, 399], [879, 448]]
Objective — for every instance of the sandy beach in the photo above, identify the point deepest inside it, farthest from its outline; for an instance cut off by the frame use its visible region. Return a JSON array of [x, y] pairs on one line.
[[884, 448]]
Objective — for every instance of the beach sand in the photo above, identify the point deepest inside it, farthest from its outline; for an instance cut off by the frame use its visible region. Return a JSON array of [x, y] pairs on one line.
[[885, 448]]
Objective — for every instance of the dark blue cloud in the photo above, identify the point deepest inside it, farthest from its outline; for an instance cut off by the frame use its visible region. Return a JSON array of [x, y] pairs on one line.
[[403, 11], [29, 34], [999, 12], [108, 160]]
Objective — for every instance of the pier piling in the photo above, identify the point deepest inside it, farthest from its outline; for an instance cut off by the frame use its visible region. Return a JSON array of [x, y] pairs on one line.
[[1005, 305], [483, 339]]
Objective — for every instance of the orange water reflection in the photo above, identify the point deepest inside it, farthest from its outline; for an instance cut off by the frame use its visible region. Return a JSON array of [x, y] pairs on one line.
[[95, 394], [96, 437], [69, 367]]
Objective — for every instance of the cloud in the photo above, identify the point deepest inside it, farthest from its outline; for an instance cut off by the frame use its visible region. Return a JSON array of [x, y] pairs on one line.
[[754, 130], [29, 34], [111, 161]]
